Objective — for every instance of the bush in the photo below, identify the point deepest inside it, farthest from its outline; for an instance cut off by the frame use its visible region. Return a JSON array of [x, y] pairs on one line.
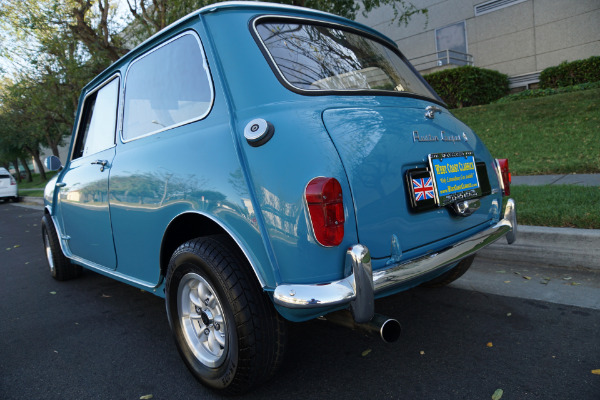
[[468, 86], [571, 73], [531, 93]]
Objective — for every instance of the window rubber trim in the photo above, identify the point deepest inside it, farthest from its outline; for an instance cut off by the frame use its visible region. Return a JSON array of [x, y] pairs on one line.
[[358, 92], [116, 75]]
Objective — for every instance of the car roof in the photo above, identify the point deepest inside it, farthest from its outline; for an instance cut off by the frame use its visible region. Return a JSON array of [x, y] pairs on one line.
[[250, 5]]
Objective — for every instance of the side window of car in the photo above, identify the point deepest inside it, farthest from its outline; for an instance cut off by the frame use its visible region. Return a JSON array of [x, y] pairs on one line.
[[167, 87], [98, 120]]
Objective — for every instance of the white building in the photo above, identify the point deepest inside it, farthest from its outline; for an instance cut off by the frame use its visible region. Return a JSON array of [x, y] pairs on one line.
[[519, 38]]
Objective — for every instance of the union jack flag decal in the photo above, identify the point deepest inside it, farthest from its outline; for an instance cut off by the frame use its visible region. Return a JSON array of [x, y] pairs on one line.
[[423, 189]]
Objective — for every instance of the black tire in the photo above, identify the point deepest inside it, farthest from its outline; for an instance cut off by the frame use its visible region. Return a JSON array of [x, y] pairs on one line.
[[61, 267], [15, 199], [247, 333], [452, 275]]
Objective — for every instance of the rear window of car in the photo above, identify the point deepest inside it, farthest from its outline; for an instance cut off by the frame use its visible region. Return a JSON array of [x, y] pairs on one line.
[[3, 176], [167, 87], [319, 57]]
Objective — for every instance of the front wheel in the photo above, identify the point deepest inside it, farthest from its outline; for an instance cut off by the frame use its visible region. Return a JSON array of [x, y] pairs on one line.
[[61, 267], [226, 329]]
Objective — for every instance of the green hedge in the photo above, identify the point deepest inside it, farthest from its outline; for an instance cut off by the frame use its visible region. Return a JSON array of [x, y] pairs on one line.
[[468, 86], [571, 73]]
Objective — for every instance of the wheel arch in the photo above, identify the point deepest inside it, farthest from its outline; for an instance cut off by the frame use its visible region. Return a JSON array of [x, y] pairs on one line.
[[191, 225]]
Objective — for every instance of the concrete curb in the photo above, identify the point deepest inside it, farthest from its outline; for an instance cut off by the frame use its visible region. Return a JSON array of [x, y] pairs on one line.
[[565, 179], [32, 200], [559, 247]]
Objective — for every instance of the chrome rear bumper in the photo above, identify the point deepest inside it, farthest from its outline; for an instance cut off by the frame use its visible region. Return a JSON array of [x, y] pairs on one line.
[[359, 288]]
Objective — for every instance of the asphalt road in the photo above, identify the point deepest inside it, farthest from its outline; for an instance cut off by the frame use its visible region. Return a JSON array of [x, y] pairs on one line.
[[95, 338]]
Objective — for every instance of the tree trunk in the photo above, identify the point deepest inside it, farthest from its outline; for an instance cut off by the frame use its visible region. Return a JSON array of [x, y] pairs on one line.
[[52, 144], [26, 166], [35, 153], [17, 173], [40, 165]]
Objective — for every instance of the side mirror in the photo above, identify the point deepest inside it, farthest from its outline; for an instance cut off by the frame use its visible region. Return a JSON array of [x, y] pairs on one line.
[[52, 163]]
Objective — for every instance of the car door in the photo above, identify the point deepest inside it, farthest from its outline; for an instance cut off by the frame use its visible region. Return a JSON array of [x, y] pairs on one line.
[[83, 194]]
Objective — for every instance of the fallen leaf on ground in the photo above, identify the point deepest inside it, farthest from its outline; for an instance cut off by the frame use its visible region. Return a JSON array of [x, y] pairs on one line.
[[567, 278], [497, 394], [526, 277], [16, 245], [501, 272], [506, 281], [490, 344], [366, 352], [52, 292], [596, 371], [421, 352], [146, 397], [105, 295], [508, 314], [574, 283]]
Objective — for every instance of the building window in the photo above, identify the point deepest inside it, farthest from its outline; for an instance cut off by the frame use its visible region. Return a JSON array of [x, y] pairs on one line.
[[494, 5], [451, 44]]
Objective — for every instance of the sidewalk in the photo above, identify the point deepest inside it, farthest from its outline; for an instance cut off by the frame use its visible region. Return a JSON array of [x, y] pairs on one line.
[[560, 247], [570, 179]]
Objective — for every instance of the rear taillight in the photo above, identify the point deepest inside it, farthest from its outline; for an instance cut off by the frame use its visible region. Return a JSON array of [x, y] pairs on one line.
[[326, 209], [504, 174], [12, 181]]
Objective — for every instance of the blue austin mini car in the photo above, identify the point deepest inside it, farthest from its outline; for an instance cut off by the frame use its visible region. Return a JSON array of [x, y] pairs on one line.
[[258, 163]]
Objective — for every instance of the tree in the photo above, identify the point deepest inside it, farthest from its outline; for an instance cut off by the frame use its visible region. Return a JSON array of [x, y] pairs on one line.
[[21, 129], [60, 45], [153, 15]]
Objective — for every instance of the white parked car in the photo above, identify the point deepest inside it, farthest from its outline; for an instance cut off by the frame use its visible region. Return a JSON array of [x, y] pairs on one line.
[[8, 186]]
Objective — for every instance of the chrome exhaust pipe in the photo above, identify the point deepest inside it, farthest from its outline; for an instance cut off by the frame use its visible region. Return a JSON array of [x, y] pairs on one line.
[[388, 329]]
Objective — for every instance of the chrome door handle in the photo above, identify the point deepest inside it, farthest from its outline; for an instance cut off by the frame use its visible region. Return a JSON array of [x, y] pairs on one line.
[[61, 184], [102, 163]]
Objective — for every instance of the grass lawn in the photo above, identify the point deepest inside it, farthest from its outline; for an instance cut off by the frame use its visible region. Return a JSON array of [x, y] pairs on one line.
[[548, 135], [32, 193], [36, 183], [558, 205], [557, 134]]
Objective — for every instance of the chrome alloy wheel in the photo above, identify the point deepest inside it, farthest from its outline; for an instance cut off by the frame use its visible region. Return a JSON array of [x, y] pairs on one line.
[[202, 320], [49, 252]]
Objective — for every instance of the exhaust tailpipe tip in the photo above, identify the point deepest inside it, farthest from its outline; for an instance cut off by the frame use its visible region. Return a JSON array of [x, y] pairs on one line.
[[390, 329]]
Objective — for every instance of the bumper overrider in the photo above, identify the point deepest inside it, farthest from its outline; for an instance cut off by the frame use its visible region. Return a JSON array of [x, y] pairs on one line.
[[359, 288]]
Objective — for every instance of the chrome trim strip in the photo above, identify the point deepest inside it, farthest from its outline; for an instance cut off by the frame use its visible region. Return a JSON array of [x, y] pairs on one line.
[[81, 107], [349, 289]]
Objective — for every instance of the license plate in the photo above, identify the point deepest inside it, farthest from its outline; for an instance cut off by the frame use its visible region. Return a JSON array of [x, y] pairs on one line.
[[455, 176]]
